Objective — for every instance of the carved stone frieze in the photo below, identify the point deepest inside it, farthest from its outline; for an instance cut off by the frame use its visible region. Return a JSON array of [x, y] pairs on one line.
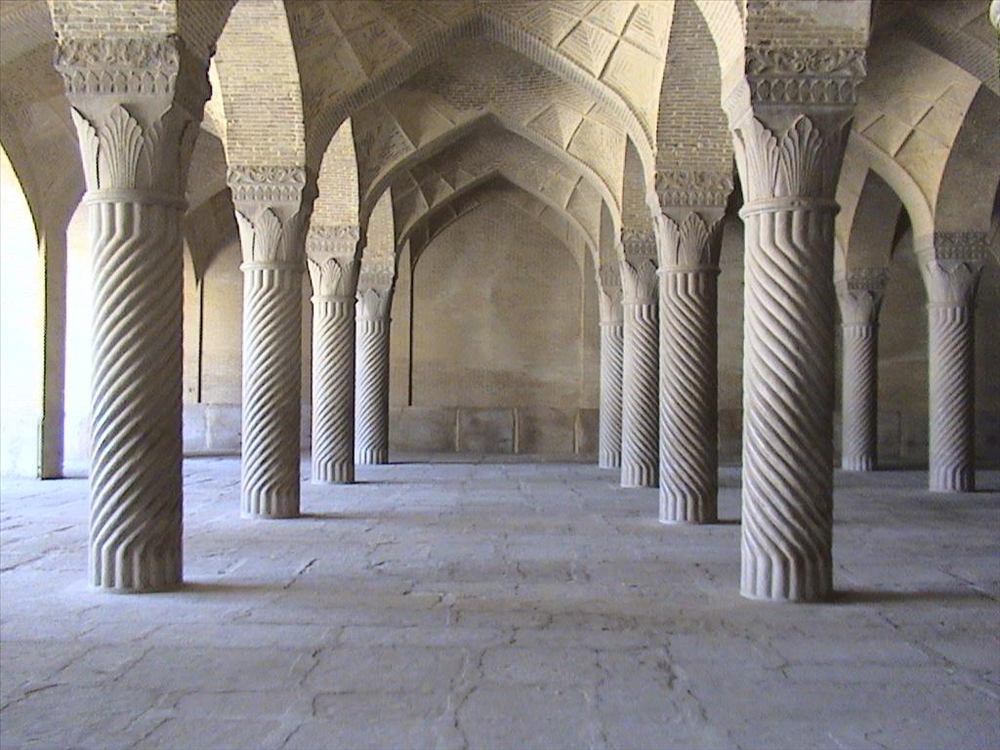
[[273, 205], [267, 184], [638, 243], [804, 75], [375, 288], [692, 188], [859, 295], [333, 276], [951, 282]]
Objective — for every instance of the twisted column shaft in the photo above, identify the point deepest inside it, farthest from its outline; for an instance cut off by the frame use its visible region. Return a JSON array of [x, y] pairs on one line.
[[859, 435], [135, 474], [272, 366], [610, 427], [952, 398], [371, 440], [689, 453], [692, 206], [859, 294], [640, 367], [951, 268], [333, 390], [333, 268]]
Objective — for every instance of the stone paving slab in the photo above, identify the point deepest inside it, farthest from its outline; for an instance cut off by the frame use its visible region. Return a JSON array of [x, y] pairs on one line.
[[492, 603]]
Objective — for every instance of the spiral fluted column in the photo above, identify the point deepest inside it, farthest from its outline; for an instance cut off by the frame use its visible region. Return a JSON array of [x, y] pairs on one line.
[[790, 139], [135, 143], [689, 240], [272, 210], [612, 339], [951, 276], [333, 269], [859, 295], [640, 368], [371, 404]]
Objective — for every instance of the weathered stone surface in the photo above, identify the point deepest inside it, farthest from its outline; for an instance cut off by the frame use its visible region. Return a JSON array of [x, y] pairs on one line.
[[485, 431]]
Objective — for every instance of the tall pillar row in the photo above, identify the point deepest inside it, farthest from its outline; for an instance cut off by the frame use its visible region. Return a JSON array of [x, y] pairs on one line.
[[371, 401], [610, 416], [692, 206], [137, 104], [859, 297], [273, 205], [790, 120], [640, 360], [951, 265], [333, 258]]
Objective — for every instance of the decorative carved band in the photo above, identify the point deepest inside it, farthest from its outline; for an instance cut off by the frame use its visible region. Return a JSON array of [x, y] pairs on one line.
[[951, 283], [267, 184], [859, 295], [98, 65], [639, 281], [970, 246], [692, 188], [333, 277], [639, 242], [804, 75]]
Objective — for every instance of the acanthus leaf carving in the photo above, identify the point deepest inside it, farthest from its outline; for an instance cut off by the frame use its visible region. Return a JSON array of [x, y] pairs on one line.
[[639, 281], [801, 162], [121, 140], [333, 276], [951, 282], [692, 244], [638, 242], [147, 65]]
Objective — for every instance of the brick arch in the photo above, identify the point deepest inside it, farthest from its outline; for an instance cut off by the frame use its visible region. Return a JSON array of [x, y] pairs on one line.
[[482, 124], [466, 21], [692, 132], [337, 203], [493, 188], [260, 87]]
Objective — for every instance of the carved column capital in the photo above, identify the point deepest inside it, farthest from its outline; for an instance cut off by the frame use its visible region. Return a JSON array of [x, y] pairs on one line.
[[375, 287], [273, 205], [609, 287], [690, 238], [137, 104], [859, 295], [332, 257], [951, 264], [639, 285]]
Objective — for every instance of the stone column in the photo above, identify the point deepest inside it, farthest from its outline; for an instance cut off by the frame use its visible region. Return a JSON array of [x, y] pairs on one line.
[[333, 268], [951, 266], [272, 211], [790, 121], [137, 104], [859, 295], [640, 365], [692, 206], [371, 403], [610, 426]]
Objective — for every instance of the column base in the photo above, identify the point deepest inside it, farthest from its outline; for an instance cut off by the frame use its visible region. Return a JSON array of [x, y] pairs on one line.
[[371, 457], [257, 507], [609, 460], [952, 480], [857, 463], [638, 476], [684, 510], [333, 474], [150, 578], [799, 581]]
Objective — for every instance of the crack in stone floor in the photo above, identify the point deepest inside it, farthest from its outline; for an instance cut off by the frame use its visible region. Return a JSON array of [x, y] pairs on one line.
[[483, 604]]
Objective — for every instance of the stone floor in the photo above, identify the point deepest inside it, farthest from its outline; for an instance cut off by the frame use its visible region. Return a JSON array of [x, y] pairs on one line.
[[490, 605]]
